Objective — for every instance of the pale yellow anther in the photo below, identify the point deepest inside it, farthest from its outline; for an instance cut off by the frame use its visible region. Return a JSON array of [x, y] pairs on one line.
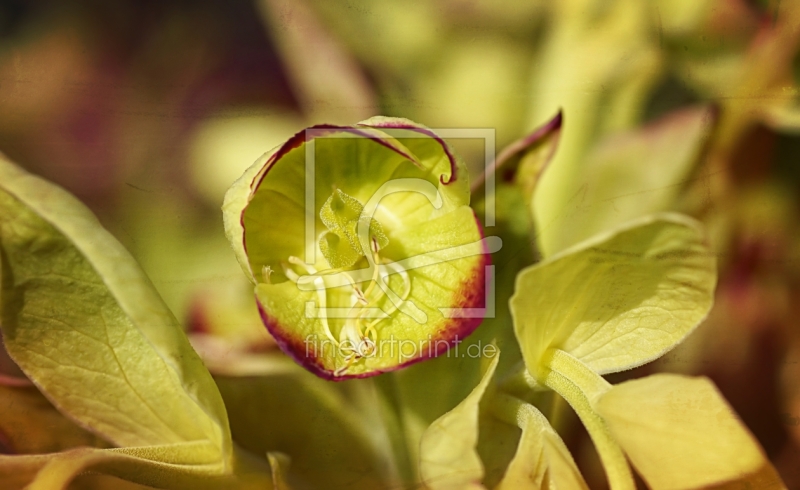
[[266, 272]]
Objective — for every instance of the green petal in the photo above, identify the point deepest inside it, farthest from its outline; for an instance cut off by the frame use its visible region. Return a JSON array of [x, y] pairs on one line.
[[436, 154], [680, 433], [423, 228], [449, 282], [236, 200], [619, 300], [265, 211], [448, 455]]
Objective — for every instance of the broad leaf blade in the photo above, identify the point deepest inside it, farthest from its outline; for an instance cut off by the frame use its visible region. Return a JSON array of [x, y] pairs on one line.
[[609, 58], [85, 324], [620, 300], [631, 175], [184, 466], [282, 412], [681, 434], [541, 456], [448, 456]]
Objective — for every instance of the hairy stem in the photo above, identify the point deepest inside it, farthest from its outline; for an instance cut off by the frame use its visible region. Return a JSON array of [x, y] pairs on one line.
[[580, 387]]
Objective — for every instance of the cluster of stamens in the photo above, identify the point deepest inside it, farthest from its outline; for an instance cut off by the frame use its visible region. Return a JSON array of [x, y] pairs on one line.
[[358, 336]]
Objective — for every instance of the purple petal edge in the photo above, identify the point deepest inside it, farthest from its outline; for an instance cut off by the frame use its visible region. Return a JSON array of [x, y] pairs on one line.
[[294, 142], [519, 146], [419, 129]]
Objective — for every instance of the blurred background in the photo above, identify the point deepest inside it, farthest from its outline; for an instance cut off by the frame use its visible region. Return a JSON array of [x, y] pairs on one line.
[[149, 110]]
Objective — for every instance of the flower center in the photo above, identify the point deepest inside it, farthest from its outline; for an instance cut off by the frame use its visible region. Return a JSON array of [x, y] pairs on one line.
[[341, 245], [343, 248]]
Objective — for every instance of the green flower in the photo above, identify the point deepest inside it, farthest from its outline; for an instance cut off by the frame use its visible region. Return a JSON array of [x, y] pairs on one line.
[[362, 246]]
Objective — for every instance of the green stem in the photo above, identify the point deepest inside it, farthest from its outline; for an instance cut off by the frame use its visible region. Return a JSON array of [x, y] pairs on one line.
[[395, 424], [514, 411], [580, 387]]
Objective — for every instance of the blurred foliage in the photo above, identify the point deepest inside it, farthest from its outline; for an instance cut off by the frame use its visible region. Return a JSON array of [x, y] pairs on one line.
[[147, 111]]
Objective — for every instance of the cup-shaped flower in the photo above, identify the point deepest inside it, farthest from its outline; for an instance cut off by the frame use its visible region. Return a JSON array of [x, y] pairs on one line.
[[361, 243]]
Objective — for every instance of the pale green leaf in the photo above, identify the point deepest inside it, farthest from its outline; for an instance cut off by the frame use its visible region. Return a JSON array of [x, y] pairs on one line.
[[619, 300], [541, 457], [627, 176], [85, 324], [184, 466], [680, 433], [283, 412], [597, 65], [328, 82], [448, 456]]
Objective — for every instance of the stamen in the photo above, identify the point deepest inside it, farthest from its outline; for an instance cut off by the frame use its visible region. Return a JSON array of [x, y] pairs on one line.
[[366, 347], [376, 271], [348, 362], [319, 284], [266, 272], [370, 331], [398, 269], [310, 269], [360, 294], [289, 273]]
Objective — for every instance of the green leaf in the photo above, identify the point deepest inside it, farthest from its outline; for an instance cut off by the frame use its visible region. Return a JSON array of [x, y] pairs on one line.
[[609, 58], [184, 466], [448, 455], [328, 82], [541, 457], [85, 324], [619, 300], [680, 433], [627, 176], [283, 412]]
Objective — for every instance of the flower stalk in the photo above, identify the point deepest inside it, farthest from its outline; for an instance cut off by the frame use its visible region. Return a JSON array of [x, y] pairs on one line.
[[580, 387]]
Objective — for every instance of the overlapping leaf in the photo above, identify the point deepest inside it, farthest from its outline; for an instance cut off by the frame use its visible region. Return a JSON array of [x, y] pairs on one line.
[[680, 433], [618, 300], [542, 459], [448, 456], [85, 324]]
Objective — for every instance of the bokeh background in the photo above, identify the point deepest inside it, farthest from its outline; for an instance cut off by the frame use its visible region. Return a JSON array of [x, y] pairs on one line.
[[148, 110]]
